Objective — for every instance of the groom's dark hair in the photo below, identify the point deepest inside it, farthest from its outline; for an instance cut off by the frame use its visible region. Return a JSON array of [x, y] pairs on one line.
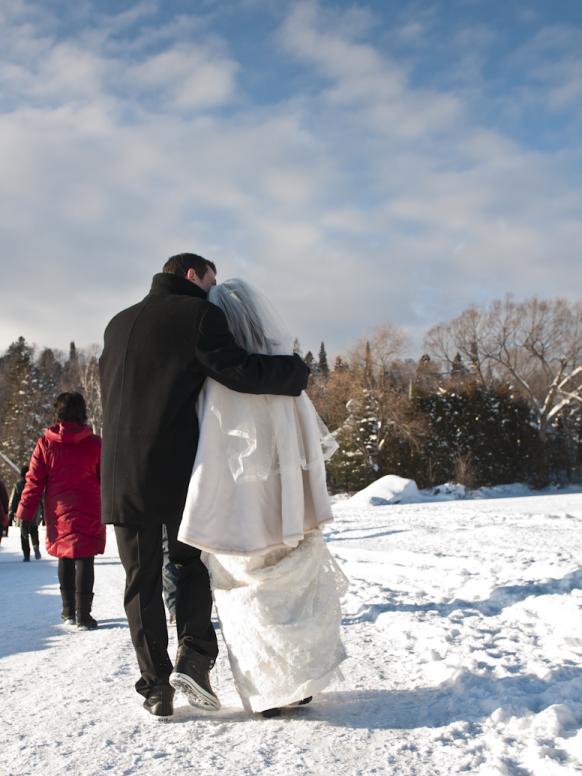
[[182, 262]]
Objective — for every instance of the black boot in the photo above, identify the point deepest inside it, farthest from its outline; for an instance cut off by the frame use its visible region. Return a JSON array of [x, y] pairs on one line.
[[160, 702], [68, 613], [37, 554], [190, 675], [83, 617]]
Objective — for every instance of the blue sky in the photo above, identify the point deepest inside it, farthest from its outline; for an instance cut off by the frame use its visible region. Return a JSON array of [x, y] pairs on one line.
[[361, 163]]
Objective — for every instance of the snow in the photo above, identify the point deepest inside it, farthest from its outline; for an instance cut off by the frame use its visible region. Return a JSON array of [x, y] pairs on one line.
[[390, 489], [463, 623]]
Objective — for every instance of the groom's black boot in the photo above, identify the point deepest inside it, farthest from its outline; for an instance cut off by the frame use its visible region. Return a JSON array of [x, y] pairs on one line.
[[190, 675], [160, 702]]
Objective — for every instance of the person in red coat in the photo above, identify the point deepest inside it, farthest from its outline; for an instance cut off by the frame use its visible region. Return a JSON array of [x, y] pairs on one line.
[[65, 468]]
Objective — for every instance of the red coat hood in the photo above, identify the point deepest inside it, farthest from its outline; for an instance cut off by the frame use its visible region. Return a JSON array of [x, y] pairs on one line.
[[68, 433]]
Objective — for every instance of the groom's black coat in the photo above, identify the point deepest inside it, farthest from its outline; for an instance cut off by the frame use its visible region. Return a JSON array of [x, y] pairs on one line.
[[156, 357]]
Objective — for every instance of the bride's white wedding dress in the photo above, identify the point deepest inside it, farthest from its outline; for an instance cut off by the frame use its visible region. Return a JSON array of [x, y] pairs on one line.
[[280, 617], [256, 499]]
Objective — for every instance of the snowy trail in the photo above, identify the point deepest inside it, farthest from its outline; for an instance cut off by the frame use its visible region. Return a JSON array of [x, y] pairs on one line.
[[463, 623]]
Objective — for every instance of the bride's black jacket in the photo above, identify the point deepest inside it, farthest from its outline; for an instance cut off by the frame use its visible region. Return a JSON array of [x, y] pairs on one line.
[[156, 357]]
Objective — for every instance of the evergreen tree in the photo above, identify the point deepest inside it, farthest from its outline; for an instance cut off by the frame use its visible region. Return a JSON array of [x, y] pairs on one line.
[[297, 348], [347, 468], [71, 377], [323, 366], [21, 420], [92, 391], [369, 425], [357, 462], [49, 372], [310, 361], [480, 436]]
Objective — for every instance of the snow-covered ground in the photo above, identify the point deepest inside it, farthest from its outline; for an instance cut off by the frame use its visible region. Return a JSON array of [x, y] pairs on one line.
[[464, 628]]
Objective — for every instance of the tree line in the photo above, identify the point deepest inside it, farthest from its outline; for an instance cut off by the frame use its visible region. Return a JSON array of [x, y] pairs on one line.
[[29, 384], [496, 397]]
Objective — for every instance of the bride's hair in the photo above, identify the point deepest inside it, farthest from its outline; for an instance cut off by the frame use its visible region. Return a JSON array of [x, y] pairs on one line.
[[249, 319]]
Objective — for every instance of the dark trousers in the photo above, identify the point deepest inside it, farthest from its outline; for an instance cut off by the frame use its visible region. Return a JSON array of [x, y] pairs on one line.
[[28, 533], [77, 575], [169, 575], [140, 550]]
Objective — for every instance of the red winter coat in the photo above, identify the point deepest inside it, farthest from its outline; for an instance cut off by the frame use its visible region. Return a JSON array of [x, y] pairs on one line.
[[65, 466]]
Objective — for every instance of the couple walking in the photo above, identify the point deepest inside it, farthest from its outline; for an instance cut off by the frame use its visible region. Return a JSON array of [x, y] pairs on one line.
[[207, 431]]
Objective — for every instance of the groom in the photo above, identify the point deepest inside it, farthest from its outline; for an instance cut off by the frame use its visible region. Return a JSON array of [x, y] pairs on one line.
[[156, 357]]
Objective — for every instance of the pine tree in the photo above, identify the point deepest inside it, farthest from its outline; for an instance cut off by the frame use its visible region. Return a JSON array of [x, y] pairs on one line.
[[309, 360], [297, 348], [91, 389], [22, 420], [71, 377], [356, 463], [323, 366], [49, 372], [479, 436]]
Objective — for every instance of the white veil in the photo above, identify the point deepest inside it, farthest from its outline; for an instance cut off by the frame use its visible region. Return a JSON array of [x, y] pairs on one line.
[[251, 319], [263, 435]]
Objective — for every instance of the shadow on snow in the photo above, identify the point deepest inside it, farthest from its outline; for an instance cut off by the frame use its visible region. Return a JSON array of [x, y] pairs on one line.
[[499, 599], [470, 698], [31, 604]]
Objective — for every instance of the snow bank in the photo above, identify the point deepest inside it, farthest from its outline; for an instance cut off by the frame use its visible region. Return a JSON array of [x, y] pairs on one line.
[[390, 489], [448, 491]]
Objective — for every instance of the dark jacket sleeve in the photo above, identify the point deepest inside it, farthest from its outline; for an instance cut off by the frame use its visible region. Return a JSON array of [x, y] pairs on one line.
[[36, 479], [223, 360]]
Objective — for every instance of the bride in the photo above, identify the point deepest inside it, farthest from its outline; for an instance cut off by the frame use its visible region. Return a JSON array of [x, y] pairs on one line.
[[255, 504]]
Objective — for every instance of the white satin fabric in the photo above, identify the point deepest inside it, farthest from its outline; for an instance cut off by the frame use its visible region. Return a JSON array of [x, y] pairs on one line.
[[256, 499], [280, 616], [258, 480]]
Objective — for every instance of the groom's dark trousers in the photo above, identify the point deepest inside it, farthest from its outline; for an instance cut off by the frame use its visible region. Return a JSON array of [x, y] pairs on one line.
[[140, 550]]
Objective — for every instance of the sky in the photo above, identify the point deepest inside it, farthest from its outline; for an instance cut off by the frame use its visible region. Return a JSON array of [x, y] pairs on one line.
[[361, 163]]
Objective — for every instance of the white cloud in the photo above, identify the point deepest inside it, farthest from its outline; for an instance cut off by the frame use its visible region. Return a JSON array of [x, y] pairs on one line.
[[553, 59], [189, 76], [362, 199], [364, 80]]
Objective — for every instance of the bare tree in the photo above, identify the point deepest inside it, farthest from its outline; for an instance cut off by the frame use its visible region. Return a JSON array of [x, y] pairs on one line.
[[374, 355], [535, 345]]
